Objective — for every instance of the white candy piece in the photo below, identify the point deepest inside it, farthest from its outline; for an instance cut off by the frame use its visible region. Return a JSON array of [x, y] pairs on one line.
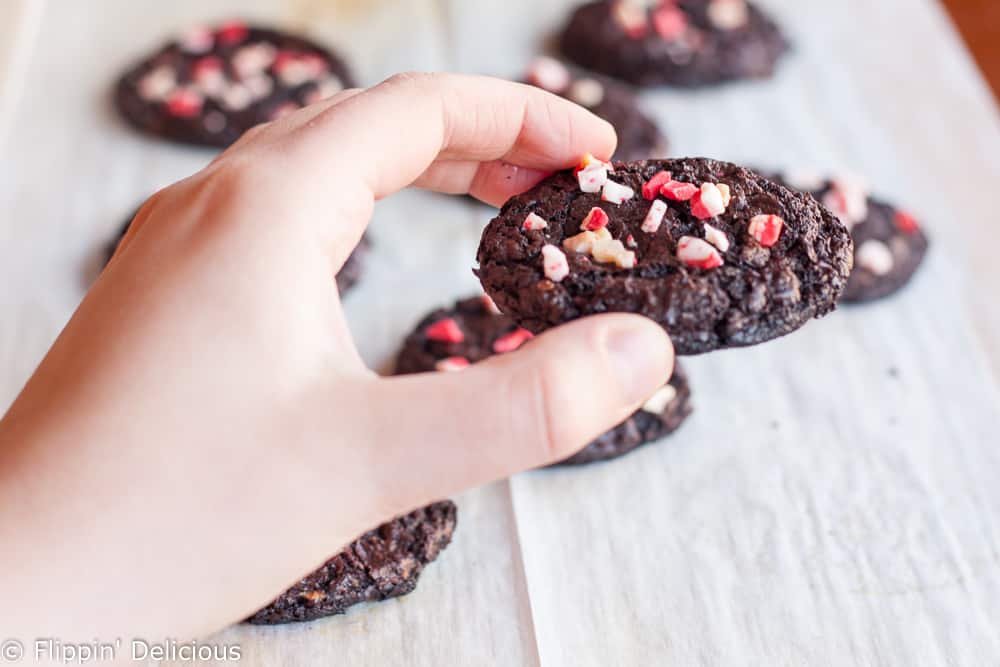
[[587, 92], [451, 365], [210, 81], [535, 222], [616, 193], [807, 180], [328, 87], [728, 14], [659, 401], [197, 39], [697, 252], [253, 59], [260, 86], [655, 216], [592, 178], [236, 97], [713, 199], [158, 83], [848, 199], [716, 237], [876, 257], [550, 74], [554, 263]]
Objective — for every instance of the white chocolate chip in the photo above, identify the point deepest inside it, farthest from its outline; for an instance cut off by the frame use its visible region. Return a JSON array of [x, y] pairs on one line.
[[592, 178], [554, 263], [716, 237], [875, 256], [659, 401], [587, 92], [158, 83], [655, 216], [549, 74], [728, 14], [616, 193]]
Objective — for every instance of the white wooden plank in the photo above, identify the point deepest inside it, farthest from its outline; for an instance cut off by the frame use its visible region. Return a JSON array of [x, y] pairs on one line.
[[832, 500]]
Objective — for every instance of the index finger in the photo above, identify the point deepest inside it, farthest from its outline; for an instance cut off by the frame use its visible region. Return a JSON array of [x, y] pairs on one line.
[[391, 134]]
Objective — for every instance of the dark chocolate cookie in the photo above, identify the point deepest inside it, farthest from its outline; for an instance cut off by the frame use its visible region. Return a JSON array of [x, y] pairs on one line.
[[209, 86], [381, 564], [449, 339], [348, 276], [674, 42], [889, 244], [638, 136], [718, 255]]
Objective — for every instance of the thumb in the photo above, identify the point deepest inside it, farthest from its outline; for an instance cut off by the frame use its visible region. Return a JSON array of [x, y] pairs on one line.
[[441, 433]]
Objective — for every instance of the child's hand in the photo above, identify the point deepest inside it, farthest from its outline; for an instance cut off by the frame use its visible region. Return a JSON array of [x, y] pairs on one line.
[[203, 432]]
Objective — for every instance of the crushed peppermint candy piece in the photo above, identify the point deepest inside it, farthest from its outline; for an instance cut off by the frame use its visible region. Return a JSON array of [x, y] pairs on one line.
[[708, 202], [236, 97], [716, 237], [589, 160], [325, 88], [534, 222], [209, 75], [253, 58], [670, 22], [592, 178], [196, 39], [489, 304], [452, 364], [587, 92], [905, 222], [584, 242], [659, 401], [631, 17], [158, 83], [848, 199], [631, 242], [804, 179], [678, 191], [875, 256], [294, 68], [655, 216], [616, 193], [596, 219], [549, 74], [185, 103], [613, 251], [512, 341], [698, 253], [232, 32], [651, 188], [728, 14], [554, 263], [445, 331], [766, 229], [259, 85]]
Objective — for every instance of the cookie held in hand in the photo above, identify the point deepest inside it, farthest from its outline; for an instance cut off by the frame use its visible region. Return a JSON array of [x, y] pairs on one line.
[[718, 255], [450, 339]]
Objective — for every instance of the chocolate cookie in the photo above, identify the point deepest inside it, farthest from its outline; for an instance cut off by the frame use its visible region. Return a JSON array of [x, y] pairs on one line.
[[348, 276], [674, 42], [381, 564], [450, 339], [889, 244], [638, 135], [718, 255], [209, 86]]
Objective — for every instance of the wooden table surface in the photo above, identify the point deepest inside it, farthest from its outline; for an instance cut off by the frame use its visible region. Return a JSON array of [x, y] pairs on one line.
[[833, 500]]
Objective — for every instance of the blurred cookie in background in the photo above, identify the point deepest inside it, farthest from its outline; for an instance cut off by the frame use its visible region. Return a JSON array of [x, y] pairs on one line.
[[638, 135], [210, 85], [686, 43], [473, 329], [889, 244]]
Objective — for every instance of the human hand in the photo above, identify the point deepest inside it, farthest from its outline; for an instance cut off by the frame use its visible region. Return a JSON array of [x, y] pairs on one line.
[[165, 469]]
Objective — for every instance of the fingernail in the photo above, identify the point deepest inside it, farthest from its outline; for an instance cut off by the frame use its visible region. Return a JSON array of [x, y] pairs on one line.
[[641, 357]]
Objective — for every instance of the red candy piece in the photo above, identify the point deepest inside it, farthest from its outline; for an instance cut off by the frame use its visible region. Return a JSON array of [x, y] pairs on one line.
[[766, 229], [512, 341], [906, 223], [596, 219], [445, 331], [206, 66], [232, 32], [698, 209], [651, 188], [678, 191], [670, 22], [697, 253], [184, 103]]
